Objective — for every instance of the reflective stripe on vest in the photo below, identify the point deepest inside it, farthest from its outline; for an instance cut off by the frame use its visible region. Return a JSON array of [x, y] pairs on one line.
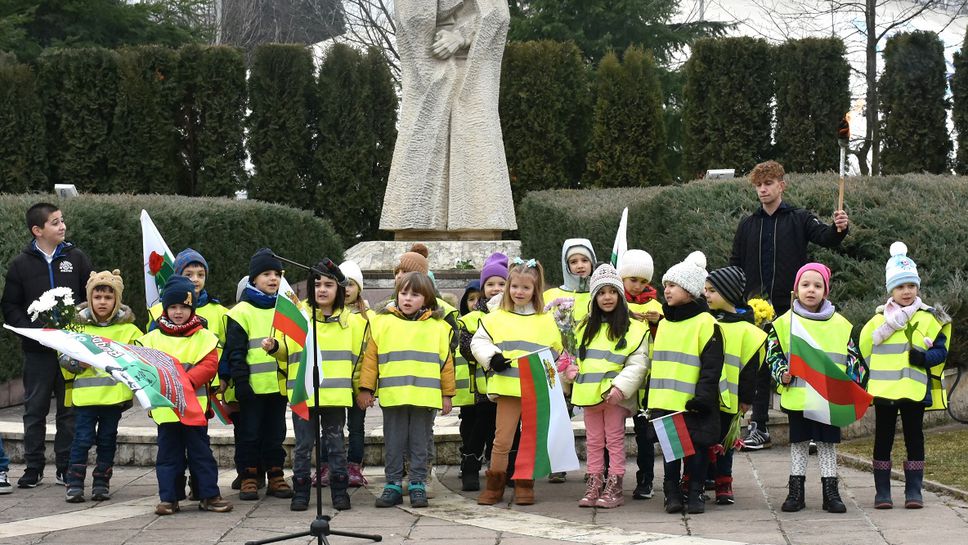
[[891, 375], [603, 362], [409, 373], [265, 373], [187, 350], [343, 340], [462, 378], [517, 335], [741, 342], [94, 387], [832, 336], [675, 360]]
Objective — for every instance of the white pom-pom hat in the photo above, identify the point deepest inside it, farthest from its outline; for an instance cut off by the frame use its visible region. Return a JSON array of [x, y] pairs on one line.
[[900, 268], [690, 275]]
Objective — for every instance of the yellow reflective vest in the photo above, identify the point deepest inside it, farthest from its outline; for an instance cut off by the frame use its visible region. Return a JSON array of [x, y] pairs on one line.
[[93, 387], [411, 356], [642, 308], [517, 335], [266, 375], [741, 342], [832, 336], [676, 360], [603, 362], [891, 376], [582, 299], [189, 351], [470, 323]]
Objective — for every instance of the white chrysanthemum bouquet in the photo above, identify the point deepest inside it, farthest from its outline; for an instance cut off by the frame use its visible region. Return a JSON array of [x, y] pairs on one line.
[[55, 309]]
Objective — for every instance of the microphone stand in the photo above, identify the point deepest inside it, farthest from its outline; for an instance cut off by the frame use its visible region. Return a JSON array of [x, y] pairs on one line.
[[319, 527]]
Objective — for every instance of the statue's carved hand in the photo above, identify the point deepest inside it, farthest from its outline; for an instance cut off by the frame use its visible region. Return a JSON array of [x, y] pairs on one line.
[[446, 43]]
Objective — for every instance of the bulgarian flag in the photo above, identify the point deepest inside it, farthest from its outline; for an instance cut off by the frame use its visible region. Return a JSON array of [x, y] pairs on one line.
[[831, 397], [673, 436], [621, 244], [547, 440], [293, 323], [158, 260]]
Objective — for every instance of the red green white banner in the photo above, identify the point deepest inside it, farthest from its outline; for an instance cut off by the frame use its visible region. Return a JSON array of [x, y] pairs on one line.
[[831, 396], [547, 440], [159, 262], [673, 436], [156, 379], [293, 323]]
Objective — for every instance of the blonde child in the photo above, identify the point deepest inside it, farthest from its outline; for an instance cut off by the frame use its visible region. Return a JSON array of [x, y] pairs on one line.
[[905, 371], [519, 326], [831, 331], [355, 417], [612, 363], [408, 357]]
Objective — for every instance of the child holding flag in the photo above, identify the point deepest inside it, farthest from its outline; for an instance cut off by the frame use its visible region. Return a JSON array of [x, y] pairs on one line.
[[814, 334], [518, 327], [687, 362], [182, 335], [905, 345], [97, 399], [408, 357], [612, 363]]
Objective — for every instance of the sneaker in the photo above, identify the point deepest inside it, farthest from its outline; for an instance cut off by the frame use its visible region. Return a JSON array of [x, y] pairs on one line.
[[557, 478], [61, 476], [355, 472], [756, 438], [31, 478], [392, 495], [167, 508], [237, 482], [75, 494], [643, 491], [418, 495], [812, 447], [216, 505], [5, 487]]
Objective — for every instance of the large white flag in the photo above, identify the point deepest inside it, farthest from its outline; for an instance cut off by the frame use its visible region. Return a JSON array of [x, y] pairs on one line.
[[159, 262], [621, 244]]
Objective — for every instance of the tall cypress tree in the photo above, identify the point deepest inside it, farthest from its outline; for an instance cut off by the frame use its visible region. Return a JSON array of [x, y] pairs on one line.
[[959, 93], [23, 154]]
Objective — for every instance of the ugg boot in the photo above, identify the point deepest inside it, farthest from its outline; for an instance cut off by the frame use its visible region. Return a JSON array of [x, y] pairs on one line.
[[795, 499], [882, 484], [277, 485], [338, 482], [696, 502], [300, 494], [75, 483], [493, 488], [913, 481], [593, 490], [612, 495], [673, 496], [101, 486], [523, 491], [470, 477], [249, 488], [831, 496], [724, 490]]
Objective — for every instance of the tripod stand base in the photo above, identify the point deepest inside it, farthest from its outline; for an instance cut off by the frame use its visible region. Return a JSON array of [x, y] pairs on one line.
[[319, 529]]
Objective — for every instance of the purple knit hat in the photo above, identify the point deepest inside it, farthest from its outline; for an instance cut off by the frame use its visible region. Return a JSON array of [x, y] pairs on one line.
[[495, 265]]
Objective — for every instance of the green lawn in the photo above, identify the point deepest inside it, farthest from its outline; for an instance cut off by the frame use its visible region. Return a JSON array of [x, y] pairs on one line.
[[946, 454]]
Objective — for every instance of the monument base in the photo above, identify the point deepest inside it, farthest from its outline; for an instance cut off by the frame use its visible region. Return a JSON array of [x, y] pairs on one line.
[[415, 235], [381, 256]]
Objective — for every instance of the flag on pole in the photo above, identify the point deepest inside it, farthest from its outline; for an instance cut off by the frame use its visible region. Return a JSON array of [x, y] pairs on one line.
[[156, 379], [673, 436], [547, 440], [293, 323], [621, 244], [159, 262], [831, 396]]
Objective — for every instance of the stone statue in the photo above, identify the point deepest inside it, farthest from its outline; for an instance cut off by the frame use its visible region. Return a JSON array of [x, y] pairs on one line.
[[449, 171]]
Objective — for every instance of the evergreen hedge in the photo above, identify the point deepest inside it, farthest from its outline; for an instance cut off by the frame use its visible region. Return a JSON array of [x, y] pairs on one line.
[[913, 105], [959, 106], [23, 154], [227, 232], [669, 222]]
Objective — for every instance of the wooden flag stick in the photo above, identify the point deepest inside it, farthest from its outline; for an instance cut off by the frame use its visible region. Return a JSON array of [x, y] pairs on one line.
[[843, 139]]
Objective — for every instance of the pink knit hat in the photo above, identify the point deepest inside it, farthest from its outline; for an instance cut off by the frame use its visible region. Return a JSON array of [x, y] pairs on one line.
[[819, 268]]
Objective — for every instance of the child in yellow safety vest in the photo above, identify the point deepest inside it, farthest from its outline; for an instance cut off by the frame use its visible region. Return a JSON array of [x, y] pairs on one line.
[[612, 363], [182, 335], [743, 352], [905, 345], [832, 332], [518, 327], [687, 362], [408, 358], [355, 417], [97, 399]]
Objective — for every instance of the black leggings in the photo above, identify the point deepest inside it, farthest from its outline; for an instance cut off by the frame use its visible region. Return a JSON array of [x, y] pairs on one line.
[[912, 422]]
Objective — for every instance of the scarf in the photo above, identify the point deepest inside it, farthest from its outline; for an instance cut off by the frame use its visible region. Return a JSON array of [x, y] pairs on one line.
[[169, 328], [259, 297], [896, 317], [679, 313], [204, 299], [826, 311], [648, 294]]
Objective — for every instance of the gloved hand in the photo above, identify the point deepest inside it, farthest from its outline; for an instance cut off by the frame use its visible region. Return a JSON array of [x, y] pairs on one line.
[[916, 358], [696, 406], [499, 362], [243, 391]]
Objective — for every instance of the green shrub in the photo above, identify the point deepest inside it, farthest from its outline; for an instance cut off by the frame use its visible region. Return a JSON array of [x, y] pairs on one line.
[[227, 232], [959, 107], [669, 222], [23, 153]]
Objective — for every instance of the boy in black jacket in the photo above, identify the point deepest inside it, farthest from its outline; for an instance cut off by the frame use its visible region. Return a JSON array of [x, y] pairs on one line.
[[47, 262]]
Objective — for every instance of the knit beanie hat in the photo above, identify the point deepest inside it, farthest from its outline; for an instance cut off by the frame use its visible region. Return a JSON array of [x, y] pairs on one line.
[[820, 268], [415, 260], [178, 290], [900, 268], [690, 275], [730, 282], [186, 257], [111, 279], [637, 264], [605, 275], [263, 260], [578, 249], [496, 264], [352, 272]]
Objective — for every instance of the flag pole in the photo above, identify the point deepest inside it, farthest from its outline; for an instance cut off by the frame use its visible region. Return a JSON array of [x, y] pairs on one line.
[[843, 140]]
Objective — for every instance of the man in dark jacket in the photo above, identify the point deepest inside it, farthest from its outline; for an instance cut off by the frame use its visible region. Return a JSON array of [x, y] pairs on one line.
[[47, 262], [770, 246]]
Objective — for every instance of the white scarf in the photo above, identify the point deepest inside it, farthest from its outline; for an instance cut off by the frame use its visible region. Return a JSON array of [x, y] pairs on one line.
[[896, 317]]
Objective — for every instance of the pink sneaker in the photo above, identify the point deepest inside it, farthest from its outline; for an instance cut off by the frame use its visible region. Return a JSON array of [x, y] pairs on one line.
[[321, 479], [355, 472]]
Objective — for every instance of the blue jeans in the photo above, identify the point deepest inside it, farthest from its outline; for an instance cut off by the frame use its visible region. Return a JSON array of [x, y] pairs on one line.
[[330, 421], [175, 440], [95, 425], [4, 460], [354, 422]]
